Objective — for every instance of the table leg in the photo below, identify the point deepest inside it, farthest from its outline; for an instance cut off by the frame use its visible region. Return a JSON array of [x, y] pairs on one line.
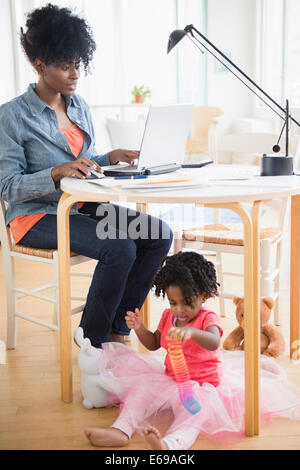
[[63, 239], [295, 279], [248, 323], [252, 312], [252, 316], [256, 210]]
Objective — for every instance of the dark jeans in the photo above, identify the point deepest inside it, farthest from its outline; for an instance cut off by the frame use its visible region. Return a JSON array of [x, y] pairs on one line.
[[127, 265]]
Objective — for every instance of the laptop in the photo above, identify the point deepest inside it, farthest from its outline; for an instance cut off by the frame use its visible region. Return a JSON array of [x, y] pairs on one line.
[[163, 144]]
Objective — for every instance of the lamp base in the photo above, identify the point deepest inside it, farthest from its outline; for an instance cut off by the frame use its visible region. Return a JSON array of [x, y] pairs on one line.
[[276, 165]]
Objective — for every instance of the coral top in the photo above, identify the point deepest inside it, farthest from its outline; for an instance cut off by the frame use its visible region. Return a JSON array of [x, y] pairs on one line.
[[22, 224], [203, 365]]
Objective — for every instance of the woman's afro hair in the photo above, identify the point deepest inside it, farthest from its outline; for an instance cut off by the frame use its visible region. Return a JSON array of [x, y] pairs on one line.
[[57, 35], [189, 271]]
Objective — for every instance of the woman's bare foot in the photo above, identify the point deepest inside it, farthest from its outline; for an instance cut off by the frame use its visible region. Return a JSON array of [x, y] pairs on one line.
[[106, 437], [153, 437]]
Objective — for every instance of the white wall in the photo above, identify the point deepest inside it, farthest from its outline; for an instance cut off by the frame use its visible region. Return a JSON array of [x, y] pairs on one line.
[[232, 29]]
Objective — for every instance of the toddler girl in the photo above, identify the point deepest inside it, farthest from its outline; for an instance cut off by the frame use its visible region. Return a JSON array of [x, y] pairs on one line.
[[149, 389]]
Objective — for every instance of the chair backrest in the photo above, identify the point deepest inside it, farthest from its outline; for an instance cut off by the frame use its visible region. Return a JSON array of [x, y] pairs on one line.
[[118, 126], [246, 148], [297, 155], [4, 231], [202, 118]]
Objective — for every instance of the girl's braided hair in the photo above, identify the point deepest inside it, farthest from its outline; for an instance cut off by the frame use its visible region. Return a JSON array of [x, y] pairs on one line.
[[56, 35], [189, 271]]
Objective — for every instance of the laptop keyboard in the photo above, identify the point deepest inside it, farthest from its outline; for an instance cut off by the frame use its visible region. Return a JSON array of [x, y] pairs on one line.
[[120, 167], [128, 168]]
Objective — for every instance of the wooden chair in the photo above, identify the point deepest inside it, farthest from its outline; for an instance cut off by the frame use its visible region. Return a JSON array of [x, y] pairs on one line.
[[221, 238], [228, 238], [13, 293], [296, 153], [202, 131], [245, 148]]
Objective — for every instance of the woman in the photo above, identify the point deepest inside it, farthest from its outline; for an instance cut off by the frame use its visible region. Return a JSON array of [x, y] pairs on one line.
[[47, 134]]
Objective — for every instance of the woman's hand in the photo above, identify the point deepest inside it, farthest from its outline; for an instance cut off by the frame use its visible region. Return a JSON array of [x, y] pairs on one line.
[[121, 155], [180, 334], [78, 168], [134, 319]]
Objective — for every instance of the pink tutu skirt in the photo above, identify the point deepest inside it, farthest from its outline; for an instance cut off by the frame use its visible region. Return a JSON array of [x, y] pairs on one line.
[[145, 393]]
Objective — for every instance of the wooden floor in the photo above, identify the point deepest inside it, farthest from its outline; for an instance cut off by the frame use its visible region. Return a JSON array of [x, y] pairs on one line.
[[32, 416]]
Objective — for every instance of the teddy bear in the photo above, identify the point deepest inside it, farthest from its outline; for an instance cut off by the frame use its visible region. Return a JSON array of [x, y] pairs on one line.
[[271, 340]]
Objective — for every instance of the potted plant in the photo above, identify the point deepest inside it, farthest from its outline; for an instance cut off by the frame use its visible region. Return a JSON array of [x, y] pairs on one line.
[[140, 93]]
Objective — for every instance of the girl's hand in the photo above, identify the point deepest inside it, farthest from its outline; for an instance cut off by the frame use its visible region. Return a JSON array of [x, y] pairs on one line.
[[134, 319], [78, 168], [180, 334], [121, 155]]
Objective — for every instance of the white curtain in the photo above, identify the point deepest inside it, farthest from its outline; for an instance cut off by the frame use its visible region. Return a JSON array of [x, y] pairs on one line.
[[24, 72], [191, 63], [8, 85], [280, 48]]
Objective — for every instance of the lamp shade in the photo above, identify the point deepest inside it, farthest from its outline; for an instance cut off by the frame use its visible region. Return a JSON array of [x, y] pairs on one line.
[[175, 37]]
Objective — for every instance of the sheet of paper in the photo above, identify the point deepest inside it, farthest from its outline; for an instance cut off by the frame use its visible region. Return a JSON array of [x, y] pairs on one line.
[[166, 186], [151, 183], [231, 172], [259, 181]]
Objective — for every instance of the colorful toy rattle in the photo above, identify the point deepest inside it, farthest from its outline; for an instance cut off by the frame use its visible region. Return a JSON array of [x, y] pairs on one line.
[[182, 377]]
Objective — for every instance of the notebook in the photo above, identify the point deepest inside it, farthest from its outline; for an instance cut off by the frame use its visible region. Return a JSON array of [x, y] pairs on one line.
[[163, 144]]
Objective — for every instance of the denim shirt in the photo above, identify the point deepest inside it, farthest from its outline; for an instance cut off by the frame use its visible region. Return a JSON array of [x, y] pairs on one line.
[[31, 144]]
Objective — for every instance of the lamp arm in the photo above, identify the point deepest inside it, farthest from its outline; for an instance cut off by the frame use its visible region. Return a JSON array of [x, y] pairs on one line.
[[190, 28], [235, 74]]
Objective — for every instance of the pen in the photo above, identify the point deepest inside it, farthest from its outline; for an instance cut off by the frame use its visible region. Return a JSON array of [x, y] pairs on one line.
[[130, 177]]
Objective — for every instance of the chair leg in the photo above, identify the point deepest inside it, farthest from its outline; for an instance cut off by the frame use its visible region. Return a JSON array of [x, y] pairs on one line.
[[11, 303], [276, 311], [177, 242], [189, 156], [220, 278], [277, 319], [266, 280], [55, 318]]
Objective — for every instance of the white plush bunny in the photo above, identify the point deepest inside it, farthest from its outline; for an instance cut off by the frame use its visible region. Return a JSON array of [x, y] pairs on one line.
[[96, 381]]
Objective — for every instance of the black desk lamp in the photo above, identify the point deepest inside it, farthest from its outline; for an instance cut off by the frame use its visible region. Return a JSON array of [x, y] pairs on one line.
[[271, 165]]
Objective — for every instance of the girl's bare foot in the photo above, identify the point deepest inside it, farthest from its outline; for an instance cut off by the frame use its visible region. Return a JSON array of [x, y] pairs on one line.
[[153, 437], [106, 437]]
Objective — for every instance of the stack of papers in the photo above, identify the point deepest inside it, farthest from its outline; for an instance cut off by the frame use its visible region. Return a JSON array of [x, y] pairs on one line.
[[151, 183]]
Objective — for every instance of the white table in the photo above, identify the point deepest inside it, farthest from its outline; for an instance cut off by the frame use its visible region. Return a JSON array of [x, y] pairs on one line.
[[234, 195]]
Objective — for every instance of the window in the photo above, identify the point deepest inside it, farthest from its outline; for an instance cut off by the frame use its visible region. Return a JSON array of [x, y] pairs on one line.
[[191, 65], [292, 56], [280, 50], [131, 37]]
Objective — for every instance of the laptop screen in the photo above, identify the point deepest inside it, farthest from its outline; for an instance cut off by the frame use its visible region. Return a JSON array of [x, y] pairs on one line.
[[165, 135]]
